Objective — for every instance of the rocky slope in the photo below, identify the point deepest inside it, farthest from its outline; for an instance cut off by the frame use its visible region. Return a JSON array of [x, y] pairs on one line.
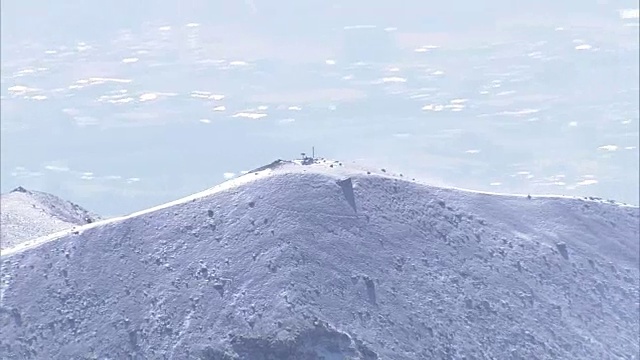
[[317, 261]]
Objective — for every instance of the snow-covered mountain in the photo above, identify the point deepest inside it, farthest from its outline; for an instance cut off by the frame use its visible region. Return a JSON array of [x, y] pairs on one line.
[[28, 214], [324, 261]]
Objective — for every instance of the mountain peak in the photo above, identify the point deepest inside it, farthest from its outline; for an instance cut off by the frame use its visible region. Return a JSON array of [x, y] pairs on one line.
[[28, 214]]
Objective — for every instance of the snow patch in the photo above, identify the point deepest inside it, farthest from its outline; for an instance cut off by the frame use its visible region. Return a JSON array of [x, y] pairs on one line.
[[249, 115]]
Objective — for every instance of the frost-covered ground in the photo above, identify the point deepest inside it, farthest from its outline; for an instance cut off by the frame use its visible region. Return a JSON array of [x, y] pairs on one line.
[[28, 214], [325, 261]]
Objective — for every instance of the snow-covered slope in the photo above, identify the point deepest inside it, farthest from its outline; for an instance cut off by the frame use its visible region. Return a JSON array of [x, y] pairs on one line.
[[321, 262], [28, 214]]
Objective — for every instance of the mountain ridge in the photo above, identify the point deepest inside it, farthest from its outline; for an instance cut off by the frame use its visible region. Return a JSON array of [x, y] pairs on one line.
[[320, 165]]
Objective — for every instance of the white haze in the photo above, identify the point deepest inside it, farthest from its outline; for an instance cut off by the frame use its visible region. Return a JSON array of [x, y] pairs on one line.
[[122, 105]]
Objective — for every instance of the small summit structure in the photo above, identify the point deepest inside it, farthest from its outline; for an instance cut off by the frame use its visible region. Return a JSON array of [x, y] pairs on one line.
[[308, 160]]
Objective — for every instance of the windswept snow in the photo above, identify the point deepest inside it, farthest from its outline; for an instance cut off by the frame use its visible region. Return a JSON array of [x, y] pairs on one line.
[[319, 261], [28, 214]]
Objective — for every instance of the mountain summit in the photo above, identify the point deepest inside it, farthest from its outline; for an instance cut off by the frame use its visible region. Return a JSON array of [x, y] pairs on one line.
[[28, 214], [313, 260]]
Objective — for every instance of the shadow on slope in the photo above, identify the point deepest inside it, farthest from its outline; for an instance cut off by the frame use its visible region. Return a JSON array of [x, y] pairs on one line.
[[320, 342]]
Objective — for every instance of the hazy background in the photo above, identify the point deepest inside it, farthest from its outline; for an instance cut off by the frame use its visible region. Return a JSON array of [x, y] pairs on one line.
[[123, 105]]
